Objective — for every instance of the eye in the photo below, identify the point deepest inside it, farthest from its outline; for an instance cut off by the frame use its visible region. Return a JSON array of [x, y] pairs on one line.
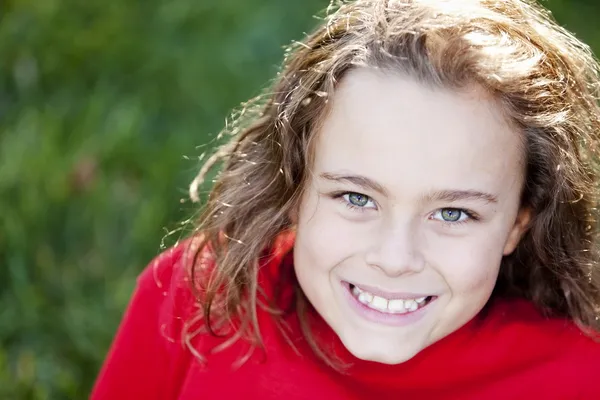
[[358, 200], [452, 215]]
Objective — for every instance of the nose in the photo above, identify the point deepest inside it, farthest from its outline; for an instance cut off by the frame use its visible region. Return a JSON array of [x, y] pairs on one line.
[[396, 251]]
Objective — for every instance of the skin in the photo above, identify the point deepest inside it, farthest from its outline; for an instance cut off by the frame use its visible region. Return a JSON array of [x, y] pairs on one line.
[[413, 156]]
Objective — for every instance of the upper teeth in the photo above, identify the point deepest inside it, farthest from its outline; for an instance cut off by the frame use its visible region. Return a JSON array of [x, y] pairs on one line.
[[396, 306]]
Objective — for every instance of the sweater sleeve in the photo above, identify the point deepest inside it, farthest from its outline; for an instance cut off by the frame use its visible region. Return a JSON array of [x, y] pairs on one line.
[[144, 358]]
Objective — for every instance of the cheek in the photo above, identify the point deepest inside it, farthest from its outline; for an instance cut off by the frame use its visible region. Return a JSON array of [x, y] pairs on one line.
[[321, 245], [323, 239], [468, 264]]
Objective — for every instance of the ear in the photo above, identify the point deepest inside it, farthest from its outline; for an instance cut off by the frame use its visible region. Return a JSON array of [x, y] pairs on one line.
[[518, 230]]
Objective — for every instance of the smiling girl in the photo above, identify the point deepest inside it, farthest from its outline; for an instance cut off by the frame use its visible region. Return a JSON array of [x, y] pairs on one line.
[[410, 214]]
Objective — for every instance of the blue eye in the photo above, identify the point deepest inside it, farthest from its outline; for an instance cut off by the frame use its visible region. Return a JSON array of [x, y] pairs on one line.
[[357, 199], [452, 215]]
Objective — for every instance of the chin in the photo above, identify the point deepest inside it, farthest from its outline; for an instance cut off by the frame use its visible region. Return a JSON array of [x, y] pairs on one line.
[[375, 352]]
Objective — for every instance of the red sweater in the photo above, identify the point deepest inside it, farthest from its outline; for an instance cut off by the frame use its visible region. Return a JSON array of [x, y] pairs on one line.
[[510, 353]]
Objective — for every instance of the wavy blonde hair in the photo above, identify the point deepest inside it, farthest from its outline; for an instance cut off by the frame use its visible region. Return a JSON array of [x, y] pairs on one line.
[[545, 79]]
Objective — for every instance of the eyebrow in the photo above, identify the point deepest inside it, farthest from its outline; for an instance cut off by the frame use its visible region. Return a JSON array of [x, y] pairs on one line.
[[457, 195], [358, 180], [438, 195]]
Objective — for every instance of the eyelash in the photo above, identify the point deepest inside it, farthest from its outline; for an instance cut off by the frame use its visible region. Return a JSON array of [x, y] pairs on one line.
[[471, 216]]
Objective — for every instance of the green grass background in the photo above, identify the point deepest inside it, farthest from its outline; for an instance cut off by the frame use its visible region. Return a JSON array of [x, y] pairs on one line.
[[105, 107]]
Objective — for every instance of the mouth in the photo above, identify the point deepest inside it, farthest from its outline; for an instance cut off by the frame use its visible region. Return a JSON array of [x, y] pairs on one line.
[[389, 304]]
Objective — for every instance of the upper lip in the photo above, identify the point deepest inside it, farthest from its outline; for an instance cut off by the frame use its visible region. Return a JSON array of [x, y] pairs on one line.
[[390, 295]]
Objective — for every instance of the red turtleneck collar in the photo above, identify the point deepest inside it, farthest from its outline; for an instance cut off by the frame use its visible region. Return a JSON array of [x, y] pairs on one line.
[[509, 352]]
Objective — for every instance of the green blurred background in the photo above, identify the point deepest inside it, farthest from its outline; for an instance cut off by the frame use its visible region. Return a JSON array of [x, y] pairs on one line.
[[105, 107]]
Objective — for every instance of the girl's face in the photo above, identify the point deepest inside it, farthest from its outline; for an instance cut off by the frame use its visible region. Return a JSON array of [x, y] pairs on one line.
[[413, 201]]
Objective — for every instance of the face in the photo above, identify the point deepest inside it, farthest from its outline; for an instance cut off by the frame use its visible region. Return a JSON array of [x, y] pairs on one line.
[[413, 201]]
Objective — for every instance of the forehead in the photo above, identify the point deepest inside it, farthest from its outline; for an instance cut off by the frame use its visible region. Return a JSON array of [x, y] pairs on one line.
[[407, 135]]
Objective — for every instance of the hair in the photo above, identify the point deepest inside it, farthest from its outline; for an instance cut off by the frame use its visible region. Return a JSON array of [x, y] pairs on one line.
[[545, 80]]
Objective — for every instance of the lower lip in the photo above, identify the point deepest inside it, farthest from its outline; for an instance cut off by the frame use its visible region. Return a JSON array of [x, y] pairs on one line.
[[384, 318]]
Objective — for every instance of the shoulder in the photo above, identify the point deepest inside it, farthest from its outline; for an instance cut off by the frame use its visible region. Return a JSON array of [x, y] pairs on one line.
[[164, 288], [178, 301], [166, 280], [169, 266], [551, 346], [149, 337], [521, 322], [577, 360], [173, 286]]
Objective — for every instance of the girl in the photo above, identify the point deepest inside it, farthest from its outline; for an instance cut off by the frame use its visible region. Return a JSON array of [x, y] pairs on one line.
[[410, 214]]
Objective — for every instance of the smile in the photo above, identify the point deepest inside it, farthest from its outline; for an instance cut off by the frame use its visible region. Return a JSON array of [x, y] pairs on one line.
[[389, 306]]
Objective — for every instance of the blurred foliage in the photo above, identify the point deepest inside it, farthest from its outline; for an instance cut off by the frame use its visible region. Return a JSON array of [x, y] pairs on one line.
[[100, 103], [103, 104]]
